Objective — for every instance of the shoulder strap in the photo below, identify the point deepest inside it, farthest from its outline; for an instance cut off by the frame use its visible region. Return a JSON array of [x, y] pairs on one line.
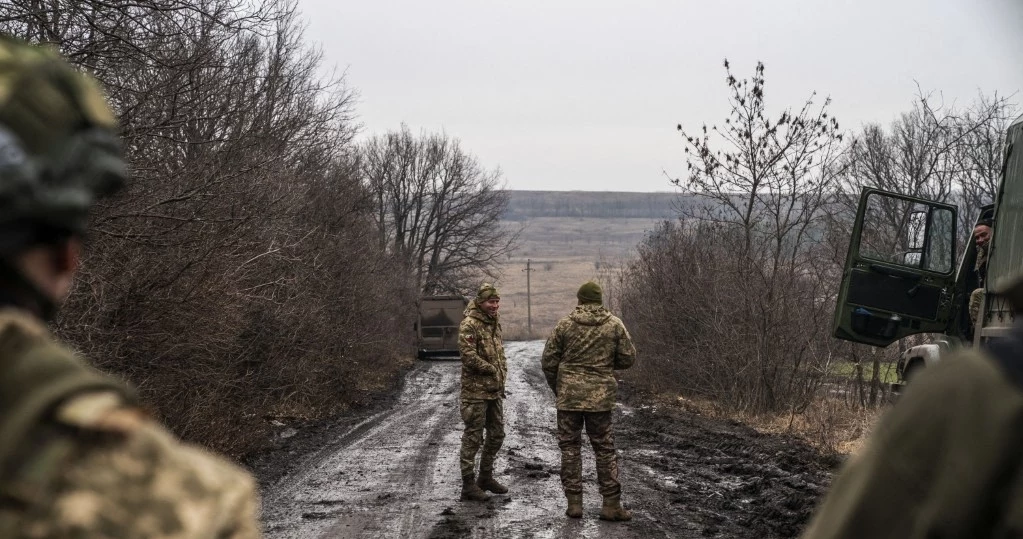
[[38, 375]]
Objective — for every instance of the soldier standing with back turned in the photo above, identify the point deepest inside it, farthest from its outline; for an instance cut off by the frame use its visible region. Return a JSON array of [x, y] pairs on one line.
[[78, 458], [484, 371], [579, 361]]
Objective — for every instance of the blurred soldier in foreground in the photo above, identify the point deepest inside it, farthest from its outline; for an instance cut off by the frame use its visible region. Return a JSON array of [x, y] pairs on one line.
[[579, 361], [484, 371], [77, 457], [947, 460]]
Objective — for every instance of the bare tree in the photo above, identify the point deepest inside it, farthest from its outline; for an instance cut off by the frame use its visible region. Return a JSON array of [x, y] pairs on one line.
[[936, 152], [238, 275], [746, 259], [980, 153], [436, 207]]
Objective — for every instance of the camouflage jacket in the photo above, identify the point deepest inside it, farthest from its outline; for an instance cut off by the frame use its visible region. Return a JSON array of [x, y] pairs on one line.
[[981, 265], [78, 459], [484, 368], [580, 358]]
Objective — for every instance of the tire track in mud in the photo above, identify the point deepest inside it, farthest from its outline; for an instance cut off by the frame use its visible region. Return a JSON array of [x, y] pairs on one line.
[[395, 474], [359, 480]]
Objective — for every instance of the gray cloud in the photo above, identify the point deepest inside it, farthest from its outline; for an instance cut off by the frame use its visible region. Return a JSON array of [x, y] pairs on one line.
[[585, 94]]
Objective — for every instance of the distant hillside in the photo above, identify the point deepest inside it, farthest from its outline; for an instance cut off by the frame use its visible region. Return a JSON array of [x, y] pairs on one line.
[[525, 205]]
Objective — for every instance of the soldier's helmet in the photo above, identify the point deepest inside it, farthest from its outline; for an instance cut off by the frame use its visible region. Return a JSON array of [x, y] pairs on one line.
[[59, 150]]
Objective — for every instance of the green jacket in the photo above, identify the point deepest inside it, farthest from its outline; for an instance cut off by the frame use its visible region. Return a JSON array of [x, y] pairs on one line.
[[79, 459], [481, 347], [36, 376], [580, 358], [943, 462]]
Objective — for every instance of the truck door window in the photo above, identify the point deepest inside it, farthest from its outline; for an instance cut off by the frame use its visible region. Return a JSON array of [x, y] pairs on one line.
[[940, 238], [907, 233]]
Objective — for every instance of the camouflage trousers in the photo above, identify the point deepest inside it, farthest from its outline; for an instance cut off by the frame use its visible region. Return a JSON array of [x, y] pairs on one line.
[[481, 416], [975, 298], [599, 431]]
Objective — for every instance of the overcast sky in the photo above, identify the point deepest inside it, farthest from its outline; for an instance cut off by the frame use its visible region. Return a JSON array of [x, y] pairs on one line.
[[585, 95]]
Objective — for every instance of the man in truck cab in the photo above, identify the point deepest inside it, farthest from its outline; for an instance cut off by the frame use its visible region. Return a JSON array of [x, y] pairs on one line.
[[982, 238], [947, 461]]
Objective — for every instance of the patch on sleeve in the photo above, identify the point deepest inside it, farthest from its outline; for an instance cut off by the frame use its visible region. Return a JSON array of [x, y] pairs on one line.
[[471, 339], [102, 411]]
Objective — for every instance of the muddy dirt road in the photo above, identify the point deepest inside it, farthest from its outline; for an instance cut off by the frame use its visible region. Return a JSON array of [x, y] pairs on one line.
[[394, 473]]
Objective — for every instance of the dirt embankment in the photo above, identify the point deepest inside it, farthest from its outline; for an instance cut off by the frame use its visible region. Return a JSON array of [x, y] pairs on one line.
[[724, 478]]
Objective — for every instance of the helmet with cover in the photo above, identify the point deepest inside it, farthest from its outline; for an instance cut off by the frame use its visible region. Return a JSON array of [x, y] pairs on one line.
[[59, 150]]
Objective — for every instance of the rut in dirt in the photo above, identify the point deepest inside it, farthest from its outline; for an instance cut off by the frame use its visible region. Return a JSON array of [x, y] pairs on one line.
[[394, 473]]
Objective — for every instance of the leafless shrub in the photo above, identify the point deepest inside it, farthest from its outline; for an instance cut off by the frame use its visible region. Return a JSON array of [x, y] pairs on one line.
[[238, 275], [733, 302]]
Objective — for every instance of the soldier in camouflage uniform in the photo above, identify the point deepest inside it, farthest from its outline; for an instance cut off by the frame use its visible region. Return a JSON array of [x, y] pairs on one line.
[[78, 458], [982, 237], [579, 361], [484, 371]]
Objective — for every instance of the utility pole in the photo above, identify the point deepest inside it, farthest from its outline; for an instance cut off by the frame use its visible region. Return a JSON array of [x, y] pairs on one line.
[[529, 301]]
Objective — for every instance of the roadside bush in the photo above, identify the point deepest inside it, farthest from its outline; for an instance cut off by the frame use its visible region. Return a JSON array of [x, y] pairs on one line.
[[238, 277], [707, 324], [734, 301]]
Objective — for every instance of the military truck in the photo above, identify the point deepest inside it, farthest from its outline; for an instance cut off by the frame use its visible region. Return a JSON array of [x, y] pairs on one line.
[[437, 326], [888, 294]]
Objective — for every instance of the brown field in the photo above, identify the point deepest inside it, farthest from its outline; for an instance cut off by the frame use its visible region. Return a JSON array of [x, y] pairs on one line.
[[565, 252]]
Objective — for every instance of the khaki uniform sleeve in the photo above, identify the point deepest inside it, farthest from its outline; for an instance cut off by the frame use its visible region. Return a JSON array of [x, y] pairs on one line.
[[129, 477], [625, 350], [551, 358], [936, 462], [468, 338]]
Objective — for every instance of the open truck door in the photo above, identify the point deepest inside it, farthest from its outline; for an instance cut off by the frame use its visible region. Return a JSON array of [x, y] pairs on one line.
[[899, 276]]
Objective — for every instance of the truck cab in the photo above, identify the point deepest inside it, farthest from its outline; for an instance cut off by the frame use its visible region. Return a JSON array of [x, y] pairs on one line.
[[437, 326], [900, 276]]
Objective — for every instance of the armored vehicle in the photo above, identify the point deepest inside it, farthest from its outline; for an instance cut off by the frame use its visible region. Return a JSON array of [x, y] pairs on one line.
[[900, 276], [437, 327]]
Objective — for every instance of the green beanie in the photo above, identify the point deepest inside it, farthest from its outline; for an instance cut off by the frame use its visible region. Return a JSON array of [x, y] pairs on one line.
[[590, 292], [486, 291]]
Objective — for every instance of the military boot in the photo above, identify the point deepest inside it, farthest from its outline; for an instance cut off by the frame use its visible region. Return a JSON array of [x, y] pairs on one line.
[[486, 481], [613, 510], [471, 492], [575, 505]]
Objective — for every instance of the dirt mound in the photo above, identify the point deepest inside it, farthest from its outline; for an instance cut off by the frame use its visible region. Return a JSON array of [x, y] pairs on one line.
[[728, 479]]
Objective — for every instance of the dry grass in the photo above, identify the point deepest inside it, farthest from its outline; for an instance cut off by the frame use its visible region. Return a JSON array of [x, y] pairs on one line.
[[565, 253], [829, 424]]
